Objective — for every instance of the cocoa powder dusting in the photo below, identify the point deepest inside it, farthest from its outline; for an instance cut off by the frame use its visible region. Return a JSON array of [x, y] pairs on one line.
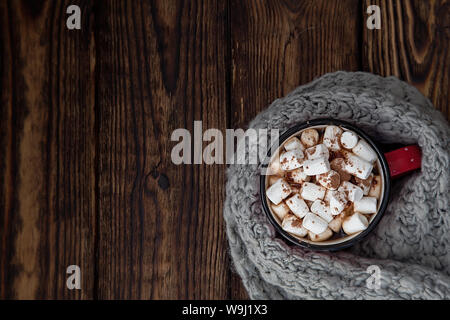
[[365, 182], [297, 223], [336, 155], [335, 180], [311, 151], [338, 166]]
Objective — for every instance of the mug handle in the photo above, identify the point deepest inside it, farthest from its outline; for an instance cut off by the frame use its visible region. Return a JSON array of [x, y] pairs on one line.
[[404, 160]]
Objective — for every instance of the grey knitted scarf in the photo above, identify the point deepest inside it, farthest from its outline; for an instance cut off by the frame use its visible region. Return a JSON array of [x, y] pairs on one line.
[[411, 244]]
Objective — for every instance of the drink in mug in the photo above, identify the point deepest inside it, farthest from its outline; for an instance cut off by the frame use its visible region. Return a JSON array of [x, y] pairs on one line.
[[324, 184]]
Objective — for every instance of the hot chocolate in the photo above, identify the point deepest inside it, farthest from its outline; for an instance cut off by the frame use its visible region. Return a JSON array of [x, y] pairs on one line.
[[324, 184]]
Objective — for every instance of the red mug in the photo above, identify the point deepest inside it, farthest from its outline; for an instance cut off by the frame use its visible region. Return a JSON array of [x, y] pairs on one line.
[[392, 164]]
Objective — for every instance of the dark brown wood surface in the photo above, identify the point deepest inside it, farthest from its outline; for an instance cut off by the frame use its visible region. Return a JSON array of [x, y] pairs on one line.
[[86, 118]]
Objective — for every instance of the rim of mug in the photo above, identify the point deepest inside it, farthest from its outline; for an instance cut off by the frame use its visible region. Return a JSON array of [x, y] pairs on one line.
[[386, 187]]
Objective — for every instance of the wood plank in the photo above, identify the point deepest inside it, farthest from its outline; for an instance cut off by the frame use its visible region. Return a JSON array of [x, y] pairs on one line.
[[47, 210], [74, 152], [279, 45], [413, 44], [162, 65]]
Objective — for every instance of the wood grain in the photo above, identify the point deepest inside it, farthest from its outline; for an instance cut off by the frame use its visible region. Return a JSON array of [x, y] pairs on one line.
[[47, 171], [279, 45], [86, 175], [161, 66], [414, 45]]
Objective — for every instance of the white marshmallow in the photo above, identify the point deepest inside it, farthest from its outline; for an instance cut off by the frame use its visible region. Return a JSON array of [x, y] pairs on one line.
[[321, 237], [316, 166], [357, 166], [338, 201], [292, 159], [375, 187], [280, 210], [355, 223], [274, 167], [365, 184], [297, 205], [331, 137], [297, 175], [318, 151], [327, 197], [330, 180], [349, 140], [336, 223], [311, 191], [354, 193], [309, 137], [314, 223], [293, 225], [293, 143], [365, 151], [319, 207], [278, 191], [366, 205], [273, 179]]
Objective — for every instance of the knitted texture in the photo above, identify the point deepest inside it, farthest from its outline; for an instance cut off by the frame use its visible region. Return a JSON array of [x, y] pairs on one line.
[[411, 242]]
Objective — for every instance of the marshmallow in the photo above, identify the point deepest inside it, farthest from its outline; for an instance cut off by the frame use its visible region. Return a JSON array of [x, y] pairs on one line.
[[366, 205], [297, 176], [316, 166], [297, 205], [293, 143], [293, 225], [278, 191], [365, 151], [338, 201], [273, 179], [274, 167], [338, 165], [292, 159], [330, 180], [280, 210], [311, 191], [327, 197], [349, 140], [314, 223], [353, 193], [364, 184], [320, 237], [319, 207], [375, 187], [336, 223], [309, 137], [357, 166], [331, 137], [318, 151], [355, 223]]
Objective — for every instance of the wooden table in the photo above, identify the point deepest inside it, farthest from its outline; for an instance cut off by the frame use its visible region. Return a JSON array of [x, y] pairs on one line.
[[87, 115]]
